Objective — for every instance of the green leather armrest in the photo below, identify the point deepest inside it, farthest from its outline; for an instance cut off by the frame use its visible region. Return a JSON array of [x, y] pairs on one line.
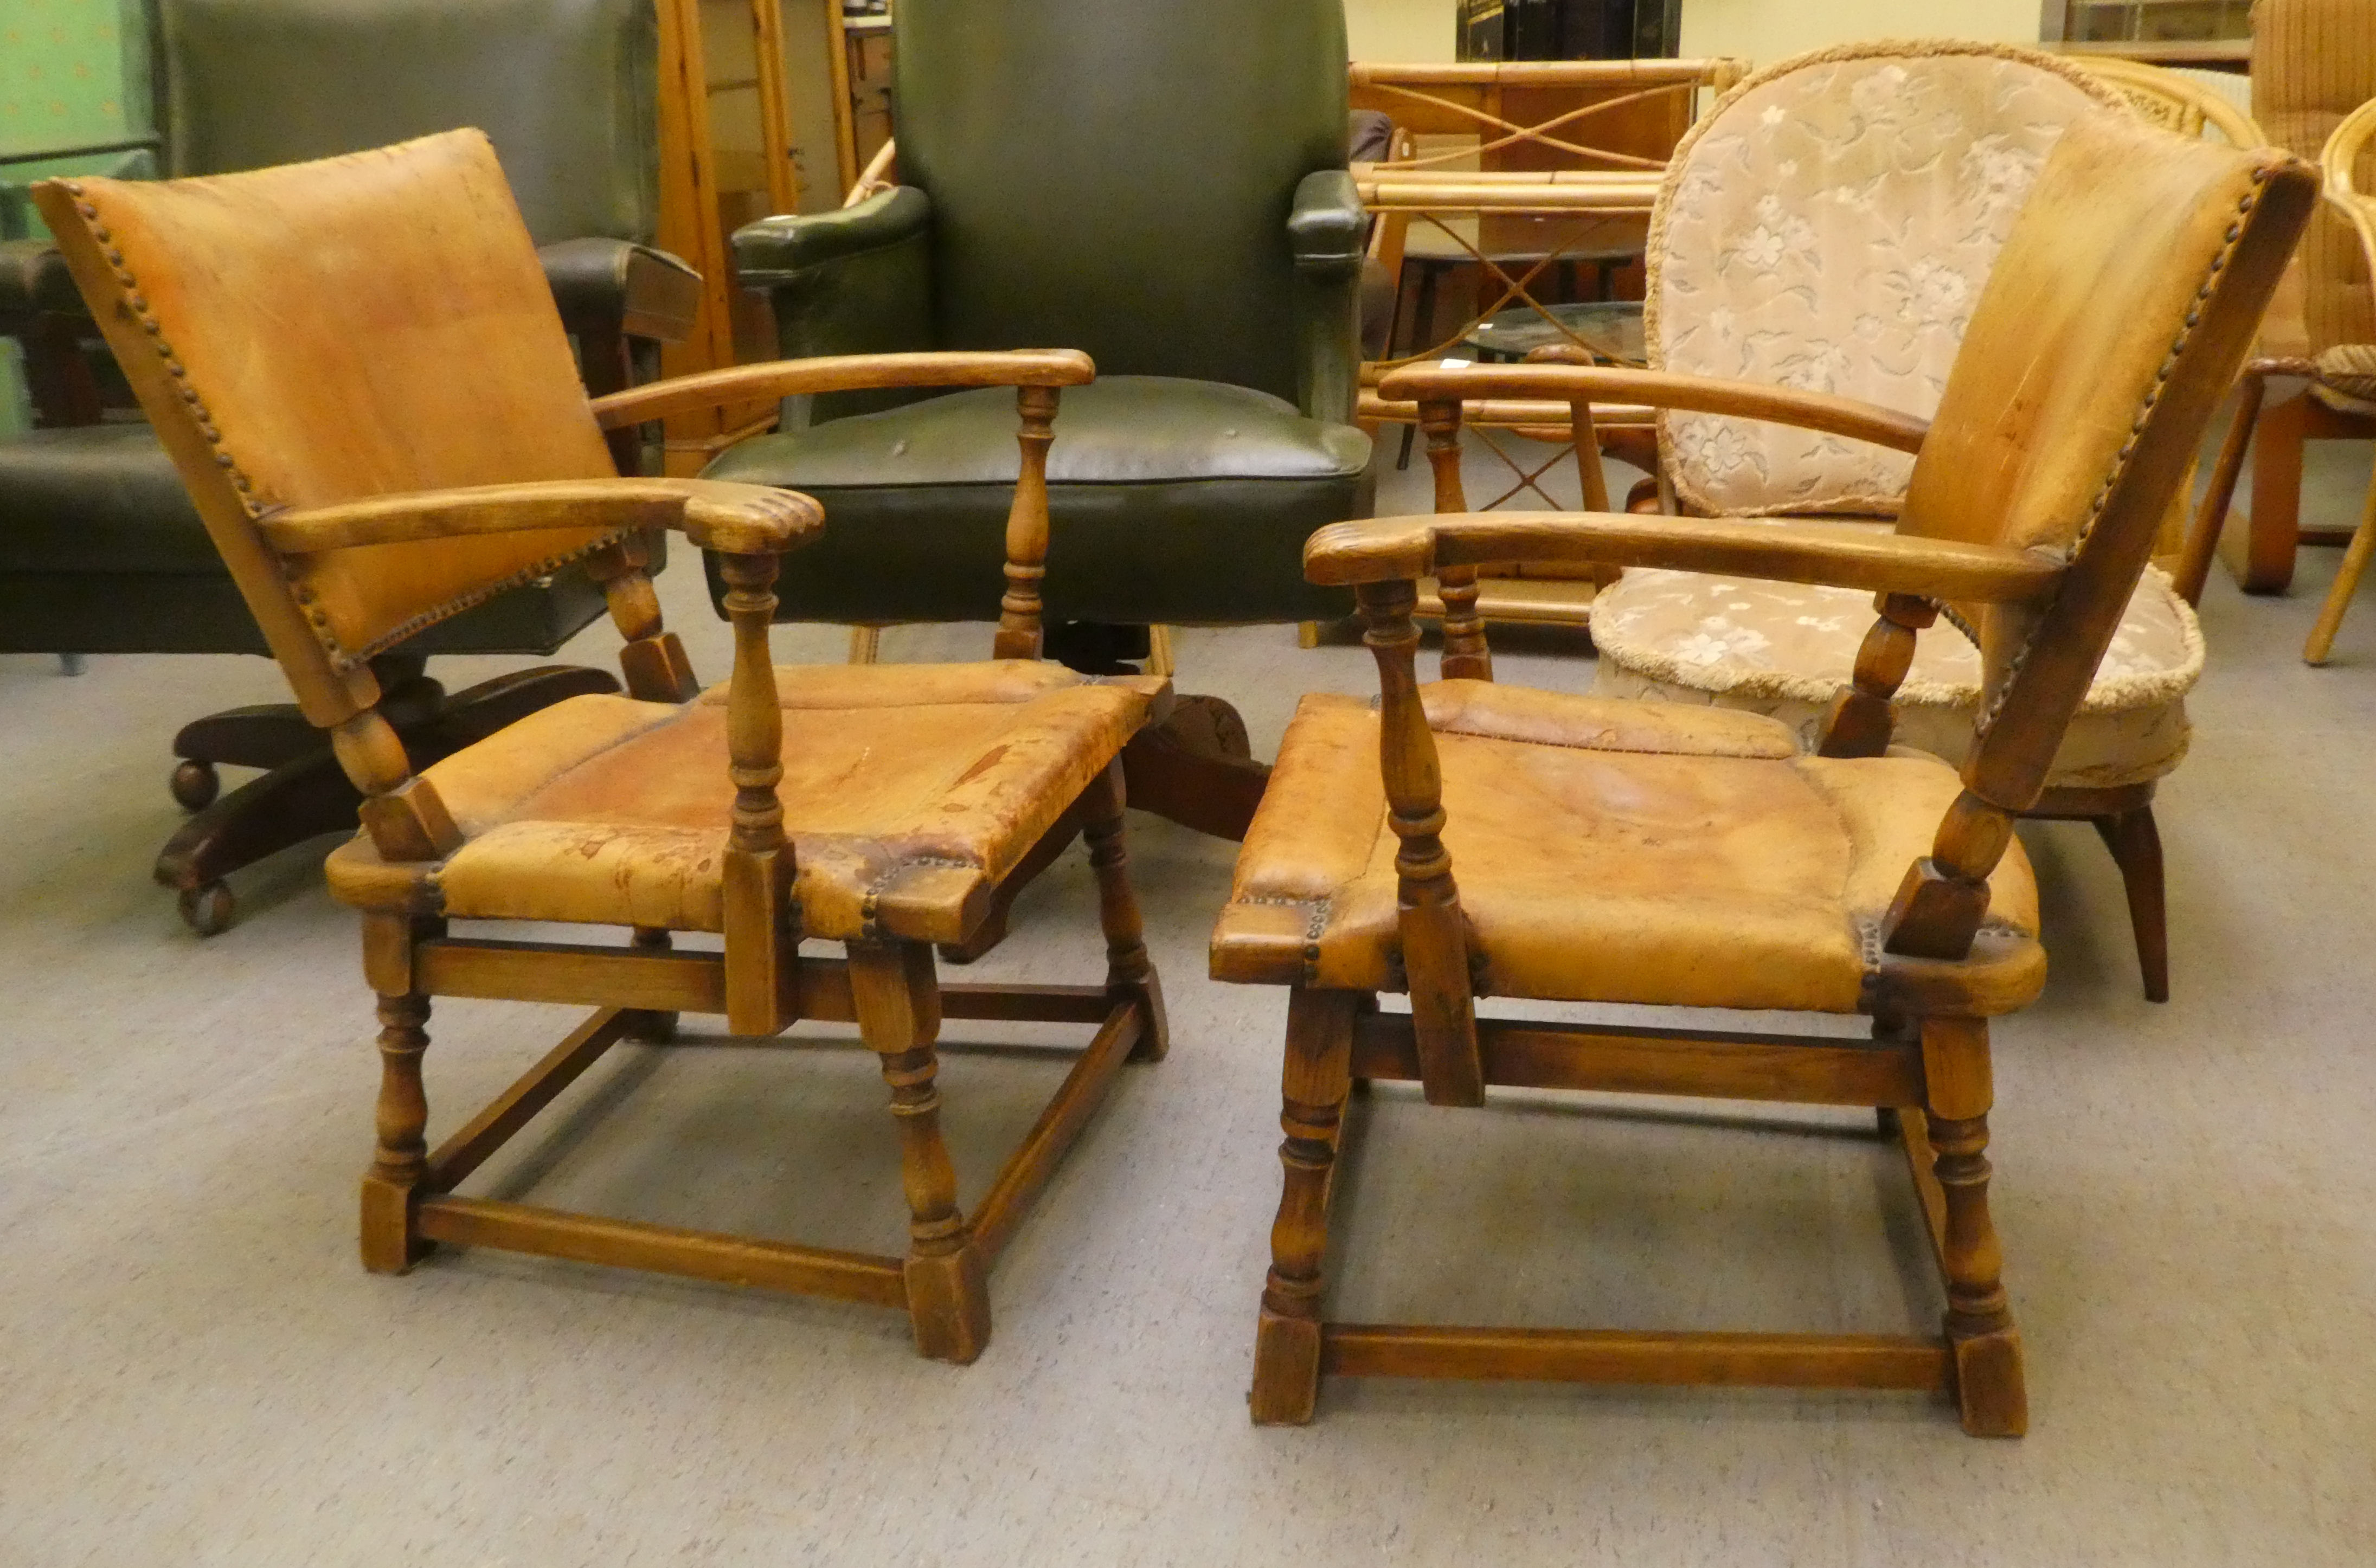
[[855, 281], [1326, 230], [1328, 226], [618, 286]]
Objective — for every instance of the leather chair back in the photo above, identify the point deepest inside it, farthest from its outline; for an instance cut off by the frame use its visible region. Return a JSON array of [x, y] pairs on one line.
[[566, 89], [2127, 229], [1115, 175], [1828, 225], [416, 347], [2313, 62]]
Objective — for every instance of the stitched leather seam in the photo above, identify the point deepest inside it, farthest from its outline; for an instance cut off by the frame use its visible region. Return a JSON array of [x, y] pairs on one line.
[[136, 303], [2244, 204]]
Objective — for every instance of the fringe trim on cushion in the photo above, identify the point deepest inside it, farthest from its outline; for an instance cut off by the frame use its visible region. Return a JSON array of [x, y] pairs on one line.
[[2117, 694]]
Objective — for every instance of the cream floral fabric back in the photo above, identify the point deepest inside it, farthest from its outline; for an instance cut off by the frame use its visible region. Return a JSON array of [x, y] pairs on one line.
[[1829, 226]]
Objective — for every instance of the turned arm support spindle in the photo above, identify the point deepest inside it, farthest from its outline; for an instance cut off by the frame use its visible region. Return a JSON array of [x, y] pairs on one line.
[[1465, 656], [1862, 716], [1944, 898], [1433, 934], [650, 657], [1020, 608], [762, 931], [402, 812]]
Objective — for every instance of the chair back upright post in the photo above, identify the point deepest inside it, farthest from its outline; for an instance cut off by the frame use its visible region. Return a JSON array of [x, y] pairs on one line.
[[2126, 225], [194, 271]]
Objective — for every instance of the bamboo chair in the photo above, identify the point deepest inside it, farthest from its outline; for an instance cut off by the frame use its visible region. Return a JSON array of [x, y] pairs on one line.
[[2343, 375], [359, 488], [1537, 845]]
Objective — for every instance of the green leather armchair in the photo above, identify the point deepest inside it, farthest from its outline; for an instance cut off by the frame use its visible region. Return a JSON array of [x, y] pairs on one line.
[[1162, 183], [100, 549]]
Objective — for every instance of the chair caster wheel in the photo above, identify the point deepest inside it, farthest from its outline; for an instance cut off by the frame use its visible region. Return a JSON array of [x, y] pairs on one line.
[[195, 784], [209, 910]]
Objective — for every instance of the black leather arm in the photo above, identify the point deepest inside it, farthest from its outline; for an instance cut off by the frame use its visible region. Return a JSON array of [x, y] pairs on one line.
[[1326, 230], [607, 286], [855, 281], [34, 280]]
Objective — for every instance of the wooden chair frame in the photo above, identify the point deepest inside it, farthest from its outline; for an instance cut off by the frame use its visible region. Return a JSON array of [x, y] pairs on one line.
[[886, 983], [1925, 1070], [759, 980]]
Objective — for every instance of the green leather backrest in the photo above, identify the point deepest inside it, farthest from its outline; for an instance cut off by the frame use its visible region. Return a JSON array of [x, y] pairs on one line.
[[1115, 175], [565, 88]]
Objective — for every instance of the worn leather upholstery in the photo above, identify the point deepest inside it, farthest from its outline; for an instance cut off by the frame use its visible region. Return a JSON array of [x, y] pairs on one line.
[[1159, 185], [1150, 481], [909, 792], [1607, 851], [568, 89]]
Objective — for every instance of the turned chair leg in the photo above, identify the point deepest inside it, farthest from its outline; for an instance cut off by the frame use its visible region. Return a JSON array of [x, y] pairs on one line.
[[2136, 844], [1129, 971], [899, 1006], [1318, 1079], [401, 1160], [1957, 1094], [652, 1028]]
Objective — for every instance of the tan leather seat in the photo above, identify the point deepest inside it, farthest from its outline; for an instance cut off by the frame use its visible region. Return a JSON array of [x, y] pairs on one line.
[[908, 790], [1603, 855]]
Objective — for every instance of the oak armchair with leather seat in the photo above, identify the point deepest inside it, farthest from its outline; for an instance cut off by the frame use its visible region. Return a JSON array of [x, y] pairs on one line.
[[100, 549], [1163, 186], [358, 489], [1469, 839]]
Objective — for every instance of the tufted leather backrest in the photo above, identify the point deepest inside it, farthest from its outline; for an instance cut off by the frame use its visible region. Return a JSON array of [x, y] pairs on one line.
[[2114, 319], [568, 89], [1115, 175], [1829, 225], [357, 326], [2313, 62]]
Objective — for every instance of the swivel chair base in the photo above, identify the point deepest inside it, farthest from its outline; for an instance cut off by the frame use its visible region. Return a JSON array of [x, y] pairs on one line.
[[305, 793]]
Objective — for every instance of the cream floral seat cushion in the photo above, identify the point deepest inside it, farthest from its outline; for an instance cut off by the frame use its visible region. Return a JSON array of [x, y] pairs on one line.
[[1784, 651]]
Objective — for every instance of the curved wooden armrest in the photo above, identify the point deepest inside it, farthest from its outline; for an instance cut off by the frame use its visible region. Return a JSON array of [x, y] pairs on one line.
[[1661, 390], [843, 372], [1388, 549], [736, 520]]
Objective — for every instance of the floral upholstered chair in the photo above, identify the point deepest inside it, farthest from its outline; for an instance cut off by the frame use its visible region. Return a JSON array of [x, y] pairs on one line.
[[1829, 226]]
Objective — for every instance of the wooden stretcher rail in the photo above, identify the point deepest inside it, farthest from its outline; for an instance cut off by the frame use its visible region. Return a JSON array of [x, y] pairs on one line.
[[1556, 1355], [1034, 1160], [1727, 1066], [663, 1249]]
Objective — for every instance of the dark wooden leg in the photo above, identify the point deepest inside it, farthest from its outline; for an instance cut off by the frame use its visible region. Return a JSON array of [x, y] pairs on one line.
[[1129, 971], [898, 1007], [652, 1028], [390, 1244], [2136, 844], [1318, 1079], [2274, 529], [1196, 768], [1957, 1095]]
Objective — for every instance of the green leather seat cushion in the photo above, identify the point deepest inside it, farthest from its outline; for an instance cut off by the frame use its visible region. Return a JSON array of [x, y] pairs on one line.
[[100, 498], [1169, 501]]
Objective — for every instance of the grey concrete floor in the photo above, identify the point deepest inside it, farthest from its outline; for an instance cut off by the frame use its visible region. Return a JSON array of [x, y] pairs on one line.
[[195, 1370]]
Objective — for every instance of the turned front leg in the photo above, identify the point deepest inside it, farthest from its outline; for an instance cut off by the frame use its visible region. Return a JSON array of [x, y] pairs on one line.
[[400, 1160], [1956, 1095], [1316, 1080], [899, 1006], [1129, 971]]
